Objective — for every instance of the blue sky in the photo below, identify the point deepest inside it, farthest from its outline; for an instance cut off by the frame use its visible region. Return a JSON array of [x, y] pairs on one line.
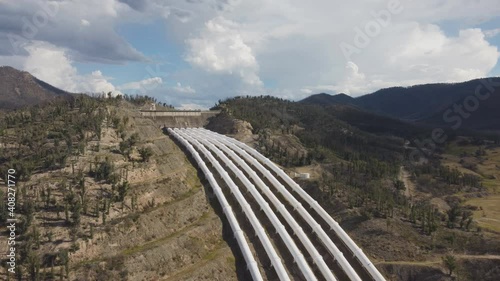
[[191, 53]]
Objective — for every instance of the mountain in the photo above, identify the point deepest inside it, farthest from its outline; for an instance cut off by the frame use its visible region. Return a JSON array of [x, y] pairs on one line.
[[374, 123], [20, 88], [329, 99], [426, 104], [318, 127]]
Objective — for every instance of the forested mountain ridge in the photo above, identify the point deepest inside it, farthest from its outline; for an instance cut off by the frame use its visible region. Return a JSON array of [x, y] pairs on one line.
[[314, 125], [428, 103]]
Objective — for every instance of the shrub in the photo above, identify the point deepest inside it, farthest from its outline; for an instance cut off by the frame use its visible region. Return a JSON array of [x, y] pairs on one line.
[[146, 153], [103, 171], [450, 263]]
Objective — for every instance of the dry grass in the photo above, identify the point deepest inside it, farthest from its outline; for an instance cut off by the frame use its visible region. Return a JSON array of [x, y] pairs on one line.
[[488, 217], [488, 167], [219, 252], [415, 263]]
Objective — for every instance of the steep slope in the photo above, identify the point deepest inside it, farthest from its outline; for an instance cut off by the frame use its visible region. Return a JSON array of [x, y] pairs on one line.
[[19, 89], [485, 117], [96, 208], [375, 123], [426, 103], [412, 103]]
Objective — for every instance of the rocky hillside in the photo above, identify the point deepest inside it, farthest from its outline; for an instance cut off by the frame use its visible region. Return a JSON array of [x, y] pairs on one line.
[[124, 203], [19, 89]]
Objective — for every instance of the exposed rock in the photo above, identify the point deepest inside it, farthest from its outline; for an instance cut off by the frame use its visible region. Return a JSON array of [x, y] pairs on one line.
[[239, 129]]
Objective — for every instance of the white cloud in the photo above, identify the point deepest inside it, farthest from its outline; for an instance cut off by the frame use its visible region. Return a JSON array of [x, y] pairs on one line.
[[492, 32], [52, 65], [98, 83], [429, 55], [306, 91], [55, 22], [235, 46], [184, 89], [84, 22], [221, 49], [355, 82], [471, 12], [412, 54], [147, 83], [296, 45]]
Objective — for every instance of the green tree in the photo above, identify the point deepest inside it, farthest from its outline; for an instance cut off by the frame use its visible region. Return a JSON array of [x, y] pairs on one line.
[[33, 265], [453, 214], [103, 170], [3, 207], [66, 212], [125, 148], [399, 185], [146, 153], [64, 260], [76, 209], [133, 139], [122, 191], [450, 263]]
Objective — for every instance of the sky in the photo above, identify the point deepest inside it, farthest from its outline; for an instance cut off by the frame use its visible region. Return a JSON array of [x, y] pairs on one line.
[[192, 53]]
